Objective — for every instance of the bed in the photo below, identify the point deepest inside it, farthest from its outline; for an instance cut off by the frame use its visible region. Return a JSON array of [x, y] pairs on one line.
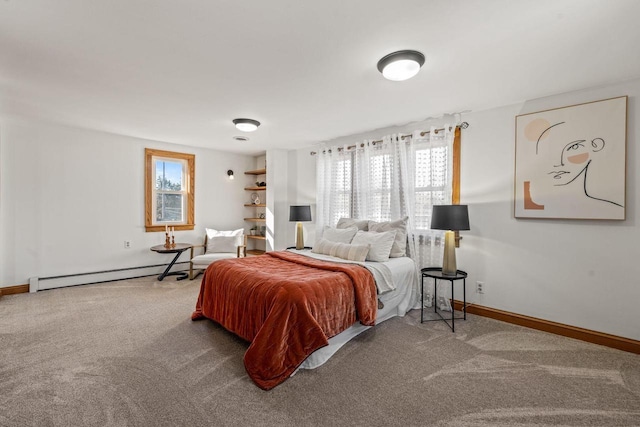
[[297, 308]]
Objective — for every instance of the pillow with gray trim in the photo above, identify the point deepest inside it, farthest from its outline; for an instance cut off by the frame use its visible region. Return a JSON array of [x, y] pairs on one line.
[[399, 247], [362, 224], [341, 250], [340, 235], [380, 243]]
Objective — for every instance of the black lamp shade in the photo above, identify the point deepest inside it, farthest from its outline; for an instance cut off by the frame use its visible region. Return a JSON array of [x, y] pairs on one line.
[[300, 213], [450, 217]]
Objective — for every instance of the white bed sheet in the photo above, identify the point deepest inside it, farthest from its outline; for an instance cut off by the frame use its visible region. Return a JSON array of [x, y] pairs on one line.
[[399, 274]]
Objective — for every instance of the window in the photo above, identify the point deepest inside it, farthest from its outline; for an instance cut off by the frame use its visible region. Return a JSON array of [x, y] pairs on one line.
[[343, 186], [431, 178], [389, 180], [381, 169], [435, 176], [169, 190]]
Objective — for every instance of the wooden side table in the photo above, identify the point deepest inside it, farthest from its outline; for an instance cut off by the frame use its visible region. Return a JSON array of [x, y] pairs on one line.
[[436, 274], [177, 249]]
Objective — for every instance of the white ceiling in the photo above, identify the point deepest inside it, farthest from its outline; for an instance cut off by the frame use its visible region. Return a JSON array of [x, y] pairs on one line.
[[181, 70]]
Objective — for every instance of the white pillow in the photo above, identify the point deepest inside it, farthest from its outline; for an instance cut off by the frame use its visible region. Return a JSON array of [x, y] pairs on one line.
[[223, 241], [380, 244], [399, 247], [362, 224], [340, 235], [341, 250], [211, 232], [218, 244]]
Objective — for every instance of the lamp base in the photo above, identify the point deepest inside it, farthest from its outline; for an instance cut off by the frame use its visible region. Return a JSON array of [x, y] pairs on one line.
[[449, 267], [299, 236]]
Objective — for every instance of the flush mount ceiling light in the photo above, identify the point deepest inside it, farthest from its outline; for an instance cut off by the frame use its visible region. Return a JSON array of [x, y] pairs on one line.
[[401, 65], [246, 125]]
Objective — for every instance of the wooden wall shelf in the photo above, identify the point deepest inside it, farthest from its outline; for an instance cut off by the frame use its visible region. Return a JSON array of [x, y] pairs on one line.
[[257, 243], [256, 172]]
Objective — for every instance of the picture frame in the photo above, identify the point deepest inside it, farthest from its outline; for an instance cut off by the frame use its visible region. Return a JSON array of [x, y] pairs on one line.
[[570, 162]]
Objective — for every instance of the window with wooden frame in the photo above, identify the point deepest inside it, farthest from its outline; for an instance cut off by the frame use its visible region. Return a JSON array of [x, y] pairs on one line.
[[169, 190]]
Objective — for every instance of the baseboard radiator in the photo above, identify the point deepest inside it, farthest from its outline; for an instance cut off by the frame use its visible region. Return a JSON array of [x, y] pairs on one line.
[[42, 283], [428, 246]]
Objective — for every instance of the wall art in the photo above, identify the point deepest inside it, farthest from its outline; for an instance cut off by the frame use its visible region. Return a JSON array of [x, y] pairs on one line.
[[571, 162]]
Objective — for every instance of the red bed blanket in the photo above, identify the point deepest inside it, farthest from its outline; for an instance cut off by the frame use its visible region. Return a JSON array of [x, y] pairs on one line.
[[287, 305]]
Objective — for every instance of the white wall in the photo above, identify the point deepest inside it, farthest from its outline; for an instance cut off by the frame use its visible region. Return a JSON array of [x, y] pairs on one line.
[[302, 191], [70, 197], [580, 273], [277, 199]]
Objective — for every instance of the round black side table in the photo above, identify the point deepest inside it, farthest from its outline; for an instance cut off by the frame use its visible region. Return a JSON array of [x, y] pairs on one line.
[[436, 274]]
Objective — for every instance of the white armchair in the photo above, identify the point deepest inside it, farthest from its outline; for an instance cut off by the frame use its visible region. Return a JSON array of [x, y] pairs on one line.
[[217, 245]]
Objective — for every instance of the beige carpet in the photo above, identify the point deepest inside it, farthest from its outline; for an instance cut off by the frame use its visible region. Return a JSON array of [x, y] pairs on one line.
[[127, 354]]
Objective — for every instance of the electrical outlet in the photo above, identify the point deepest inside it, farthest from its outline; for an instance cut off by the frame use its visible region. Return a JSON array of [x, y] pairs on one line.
[[480, 287], [127, 244]]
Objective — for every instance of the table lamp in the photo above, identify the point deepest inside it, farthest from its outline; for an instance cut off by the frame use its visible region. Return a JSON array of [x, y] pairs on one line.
[[299, 214], [450, 218]]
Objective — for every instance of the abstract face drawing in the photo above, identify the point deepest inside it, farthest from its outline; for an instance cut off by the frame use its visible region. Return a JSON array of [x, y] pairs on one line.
[[568, 156], [575, 159], [570, 162]]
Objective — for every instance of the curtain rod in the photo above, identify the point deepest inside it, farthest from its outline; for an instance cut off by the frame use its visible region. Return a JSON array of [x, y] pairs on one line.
[[462, 125]]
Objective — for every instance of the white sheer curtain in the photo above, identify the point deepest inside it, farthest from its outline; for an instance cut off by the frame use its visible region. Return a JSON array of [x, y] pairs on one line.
[[334, 180], [401, 176], [434, 172]]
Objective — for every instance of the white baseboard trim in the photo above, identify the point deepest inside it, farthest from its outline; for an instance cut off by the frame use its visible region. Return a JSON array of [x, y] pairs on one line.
[[43, 283]]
